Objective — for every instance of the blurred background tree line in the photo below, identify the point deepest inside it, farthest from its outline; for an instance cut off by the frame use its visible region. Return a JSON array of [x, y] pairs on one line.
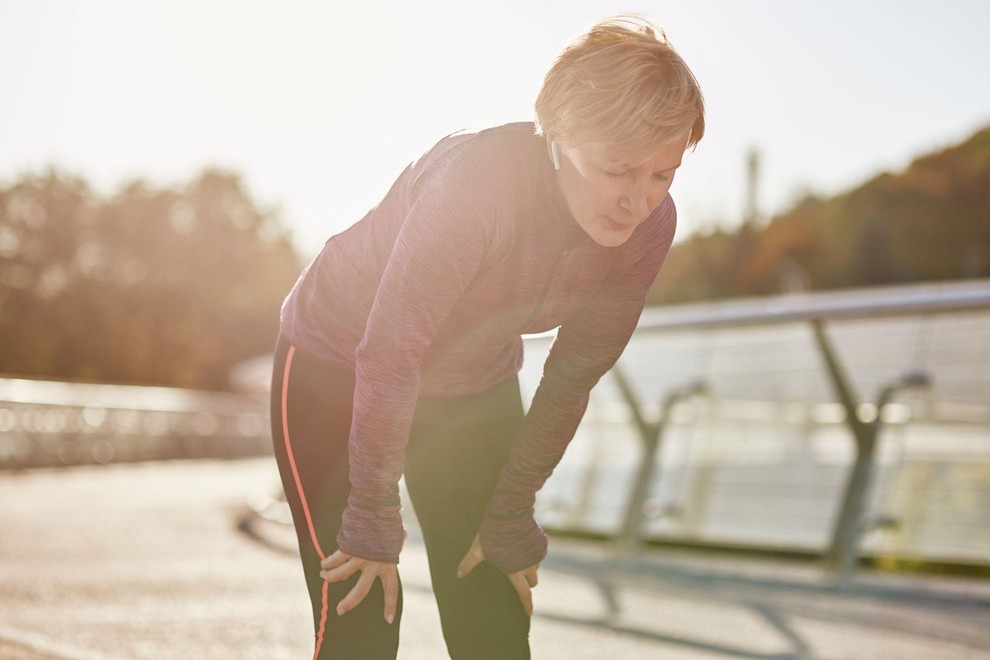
[[176, 286], [151, 286], [930, 222]]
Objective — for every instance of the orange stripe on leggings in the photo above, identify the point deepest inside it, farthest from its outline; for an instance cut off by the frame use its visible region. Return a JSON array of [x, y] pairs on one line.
[[302, 495]]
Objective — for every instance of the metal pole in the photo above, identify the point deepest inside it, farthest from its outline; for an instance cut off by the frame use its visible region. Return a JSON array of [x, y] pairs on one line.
[[843, 553], [651, 435]]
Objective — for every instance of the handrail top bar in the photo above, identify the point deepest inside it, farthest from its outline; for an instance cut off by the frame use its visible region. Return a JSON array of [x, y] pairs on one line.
[[844, 304], [119, 397]]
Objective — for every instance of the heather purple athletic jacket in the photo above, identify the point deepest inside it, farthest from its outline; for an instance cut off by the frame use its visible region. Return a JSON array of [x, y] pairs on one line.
[[428, 295]]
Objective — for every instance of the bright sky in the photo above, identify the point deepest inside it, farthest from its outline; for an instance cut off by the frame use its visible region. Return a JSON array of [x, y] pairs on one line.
[[321, 104]]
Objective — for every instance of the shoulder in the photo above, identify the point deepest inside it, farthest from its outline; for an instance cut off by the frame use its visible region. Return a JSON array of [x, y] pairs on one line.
[[498, 158], [474, 185]]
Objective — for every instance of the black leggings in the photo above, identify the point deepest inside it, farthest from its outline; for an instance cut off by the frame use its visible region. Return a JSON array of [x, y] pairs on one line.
[[457, 447]]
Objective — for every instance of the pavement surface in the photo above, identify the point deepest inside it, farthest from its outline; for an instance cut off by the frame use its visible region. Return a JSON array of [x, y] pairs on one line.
[[159, 560]]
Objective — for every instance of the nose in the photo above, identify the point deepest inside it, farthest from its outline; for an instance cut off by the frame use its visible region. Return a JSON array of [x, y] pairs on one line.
[[635, 200]]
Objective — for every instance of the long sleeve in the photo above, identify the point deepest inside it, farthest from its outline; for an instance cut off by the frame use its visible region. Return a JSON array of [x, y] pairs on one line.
[[585, 348], [443, 242]]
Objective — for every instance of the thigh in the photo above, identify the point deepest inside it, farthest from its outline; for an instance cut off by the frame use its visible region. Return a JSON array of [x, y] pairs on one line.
[[311, 418], [457, 448]]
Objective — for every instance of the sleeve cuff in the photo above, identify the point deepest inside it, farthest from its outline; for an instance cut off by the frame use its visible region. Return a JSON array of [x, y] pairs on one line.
[[512, 545], [372, 535]]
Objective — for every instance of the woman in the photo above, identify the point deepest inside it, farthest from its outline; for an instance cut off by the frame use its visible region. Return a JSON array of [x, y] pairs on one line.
[[401, 342]]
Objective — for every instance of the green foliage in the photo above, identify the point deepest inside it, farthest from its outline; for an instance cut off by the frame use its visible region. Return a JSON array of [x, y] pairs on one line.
[[928, 223], [152, 286]]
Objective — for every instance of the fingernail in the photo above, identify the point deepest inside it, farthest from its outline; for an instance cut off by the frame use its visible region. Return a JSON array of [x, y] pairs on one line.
[[460, 573], [390, 618], [340, 611]]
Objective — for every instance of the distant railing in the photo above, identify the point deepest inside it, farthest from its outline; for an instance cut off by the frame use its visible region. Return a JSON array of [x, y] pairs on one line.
[[51, 424]]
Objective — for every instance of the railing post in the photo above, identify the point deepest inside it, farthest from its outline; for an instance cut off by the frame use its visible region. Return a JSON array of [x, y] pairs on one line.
[[651, 434], [843, 553]]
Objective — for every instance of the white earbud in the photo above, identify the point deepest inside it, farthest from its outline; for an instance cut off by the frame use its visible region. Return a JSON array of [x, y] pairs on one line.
[[555, 154]]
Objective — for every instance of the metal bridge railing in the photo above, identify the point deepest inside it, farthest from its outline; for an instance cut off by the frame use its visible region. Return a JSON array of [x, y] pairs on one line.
[[51, 424], [743, 423]]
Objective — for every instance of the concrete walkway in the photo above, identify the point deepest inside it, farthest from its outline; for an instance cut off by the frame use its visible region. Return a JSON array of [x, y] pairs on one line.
[[153, 561]]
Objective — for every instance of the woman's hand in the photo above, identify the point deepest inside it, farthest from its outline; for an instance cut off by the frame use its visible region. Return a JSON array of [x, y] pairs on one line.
[[339, 566], [523, 580]]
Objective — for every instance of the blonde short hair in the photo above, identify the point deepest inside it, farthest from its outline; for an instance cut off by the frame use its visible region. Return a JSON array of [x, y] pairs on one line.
[[624, 84]]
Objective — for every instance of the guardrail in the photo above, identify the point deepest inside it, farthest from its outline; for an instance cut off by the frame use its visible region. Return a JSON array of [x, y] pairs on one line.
[[53, 424], [723, 363]]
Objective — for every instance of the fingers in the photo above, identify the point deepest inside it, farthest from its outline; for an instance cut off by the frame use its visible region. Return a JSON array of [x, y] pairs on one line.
[[522, 587], [337, 571], [473, 557], [468, 564], [522, 581], [531, 577], [334, 560], [390, 581], [341, 569], [357, 594]]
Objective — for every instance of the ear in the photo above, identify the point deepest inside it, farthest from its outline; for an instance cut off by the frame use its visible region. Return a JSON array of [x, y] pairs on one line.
[[555, 154]]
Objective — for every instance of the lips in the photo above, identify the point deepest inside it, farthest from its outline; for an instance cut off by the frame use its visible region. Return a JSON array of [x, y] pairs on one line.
[[612, 224]]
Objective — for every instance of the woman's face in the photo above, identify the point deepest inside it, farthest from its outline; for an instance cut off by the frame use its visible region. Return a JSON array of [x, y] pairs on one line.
[[608, 194]]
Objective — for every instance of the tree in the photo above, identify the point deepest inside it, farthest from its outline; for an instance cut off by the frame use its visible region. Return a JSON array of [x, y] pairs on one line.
[[928, 223], [157, 286]]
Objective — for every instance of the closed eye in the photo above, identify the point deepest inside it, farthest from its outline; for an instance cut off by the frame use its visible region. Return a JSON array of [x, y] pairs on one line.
[[657, 176]]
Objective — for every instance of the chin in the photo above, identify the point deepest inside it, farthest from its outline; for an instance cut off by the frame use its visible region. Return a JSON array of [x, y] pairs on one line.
[[611, 238]]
